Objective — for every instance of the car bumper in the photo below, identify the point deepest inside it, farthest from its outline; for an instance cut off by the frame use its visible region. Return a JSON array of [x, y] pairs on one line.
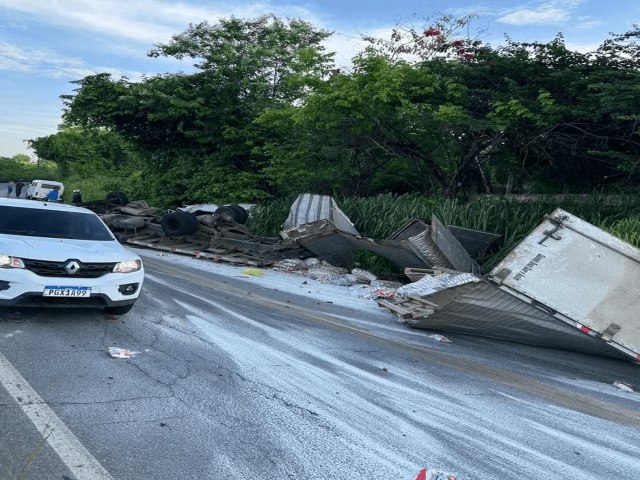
[[20, 287]]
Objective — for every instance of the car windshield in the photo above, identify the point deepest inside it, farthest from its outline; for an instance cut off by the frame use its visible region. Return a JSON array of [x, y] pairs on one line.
[[39, 222]]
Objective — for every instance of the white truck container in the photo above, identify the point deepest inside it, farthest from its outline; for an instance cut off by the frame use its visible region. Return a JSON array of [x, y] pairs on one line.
[[581, 275], [568, 285]]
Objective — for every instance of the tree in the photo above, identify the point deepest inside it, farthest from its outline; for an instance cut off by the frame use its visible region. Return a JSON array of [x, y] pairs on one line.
[[400, 121], [198, 129], [431, 110], [381, 128], [84, 151], [535, 113], [20, 166], [569, 118]]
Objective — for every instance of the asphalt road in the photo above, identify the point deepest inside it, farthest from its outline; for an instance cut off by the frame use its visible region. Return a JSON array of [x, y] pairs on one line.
[[234, 381]]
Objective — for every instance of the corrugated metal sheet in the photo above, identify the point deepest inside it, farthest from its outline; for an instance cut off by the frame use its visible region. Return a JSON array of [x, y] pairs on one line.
[[451, 248], [436, 245], [483, 309], [475, 242], [309, 208], [412, 228], [430, 254]]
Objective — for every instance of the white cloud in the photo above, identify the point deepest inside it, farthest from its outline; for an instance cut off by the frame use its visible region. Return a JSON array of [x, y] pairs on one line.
[[345, 48], [550, 13], [582, 47], [148, 21], [553, 16], [50, 64], [588, 25], [22, 126]]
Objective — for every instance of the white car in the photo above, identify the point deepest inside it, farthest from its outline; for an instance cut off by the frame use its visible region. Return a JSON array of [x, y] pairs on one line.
[[39, 189], [53, 254]]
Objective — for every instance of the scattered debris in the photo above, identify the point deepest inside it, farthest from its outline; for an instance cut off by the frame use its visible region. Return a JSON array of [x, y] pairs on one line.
[[529, 297], [116, 352], [309, 208], [255, 272], [315, 227], [440, 338], [410, 247], [627, 387], [427, 474]]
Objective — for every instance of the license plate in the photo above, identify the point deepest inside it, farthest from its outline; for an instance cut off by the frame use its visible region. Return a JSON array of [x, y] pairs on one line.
[[57, 291]]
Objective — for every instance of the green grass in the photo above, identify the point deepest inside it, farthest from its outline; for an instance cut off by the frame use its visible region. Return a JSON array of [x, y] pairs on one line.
[[378, 217]]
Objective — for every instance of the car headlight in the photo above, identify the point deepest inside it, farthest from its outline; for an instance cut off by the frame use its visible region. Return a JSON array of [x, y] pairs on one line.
[[127, 266], [10, 262]]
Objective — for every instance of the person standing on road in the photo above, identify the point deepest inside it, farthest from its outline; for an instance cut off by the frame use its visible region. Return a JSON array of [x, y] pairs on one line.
[[54, 194], [10, 188], [19, 186]]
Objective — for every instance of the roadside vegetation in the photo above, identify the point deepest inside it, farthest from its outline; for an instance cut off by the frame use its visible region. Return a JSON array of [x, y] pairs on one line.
[[379, 217], [20, 167], [424, 122]]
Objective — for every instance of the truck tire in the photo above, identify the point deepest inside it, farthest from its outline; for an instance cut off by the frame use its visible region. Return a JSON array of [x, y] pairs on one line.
[[139, 204], [129, 223], [119, 198], [179, 223], [234, 213], [243, 215]]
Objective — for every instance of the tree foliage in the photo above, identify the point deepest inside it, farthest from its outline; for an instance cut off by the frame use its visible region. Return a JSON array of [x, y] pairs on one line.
[[431, 110], [198, 129], [21, 167]]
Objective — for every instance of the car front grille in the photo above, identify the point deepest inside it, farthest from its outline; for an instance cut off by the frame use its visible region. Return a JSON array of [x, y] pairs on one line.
[[56, 269]]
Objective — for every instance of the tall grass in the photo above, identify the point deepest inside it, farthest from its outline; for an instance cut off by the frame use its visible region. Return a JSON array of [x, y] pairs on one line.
[[378, 217]]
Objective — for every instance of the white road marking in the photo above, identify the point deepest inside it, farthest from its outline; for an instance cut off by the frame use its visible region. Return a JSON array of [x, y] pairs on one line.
[[73, 454]]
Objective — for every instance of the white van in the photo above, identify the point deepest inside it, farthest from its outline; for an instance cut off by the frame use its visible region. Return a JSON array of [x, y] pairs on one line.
[[39, 189]]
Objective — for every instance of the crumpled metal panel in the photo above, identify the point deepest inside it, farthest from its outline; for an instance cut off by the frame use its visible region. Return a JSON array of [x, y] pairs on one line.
[[436, 245], [475, 242], [451, 248], [483, 309], [410, 229], [430, 253], [336, 247], [309, 208], [420, 250]]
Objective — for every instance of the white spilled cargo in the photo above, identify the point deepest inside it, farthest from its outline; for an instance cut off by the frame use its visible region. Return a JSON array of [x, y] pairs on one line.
[[567, 285]]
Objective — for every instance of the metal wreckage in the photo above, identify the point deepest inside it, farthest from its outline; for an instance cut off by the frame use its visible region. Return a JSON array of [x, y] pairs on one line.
[[568, 285]]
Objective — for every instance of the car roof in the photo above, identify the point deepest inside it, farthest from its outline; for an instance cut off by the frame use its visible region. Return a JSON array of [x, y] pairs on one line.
[[40, 205]]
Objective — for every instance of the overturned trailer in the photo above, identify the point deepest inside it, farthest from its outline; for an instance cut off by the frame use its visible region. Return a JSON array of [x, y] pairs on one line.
[[316, 223], [567, 285], [208, 232]]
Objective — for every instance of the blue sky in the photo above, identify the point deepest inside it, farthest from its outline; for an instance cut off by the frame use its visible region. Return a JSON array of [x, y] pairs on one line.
[[45, 44]]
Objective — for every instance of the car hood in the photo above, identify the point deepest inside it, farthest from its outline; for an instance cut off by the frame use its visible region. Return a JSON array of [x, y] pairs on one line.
[[60, 249]]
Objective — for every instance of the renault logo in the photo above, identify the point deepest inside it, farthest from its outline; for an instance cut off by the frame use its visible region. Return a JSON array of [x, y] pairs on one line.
[[72, 266]]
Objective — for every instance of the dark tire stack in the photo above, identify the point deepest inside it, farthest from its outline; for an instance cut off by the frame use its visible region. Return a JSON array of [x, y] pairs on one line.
[[117, 198], [234, 213], [179, 223]]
